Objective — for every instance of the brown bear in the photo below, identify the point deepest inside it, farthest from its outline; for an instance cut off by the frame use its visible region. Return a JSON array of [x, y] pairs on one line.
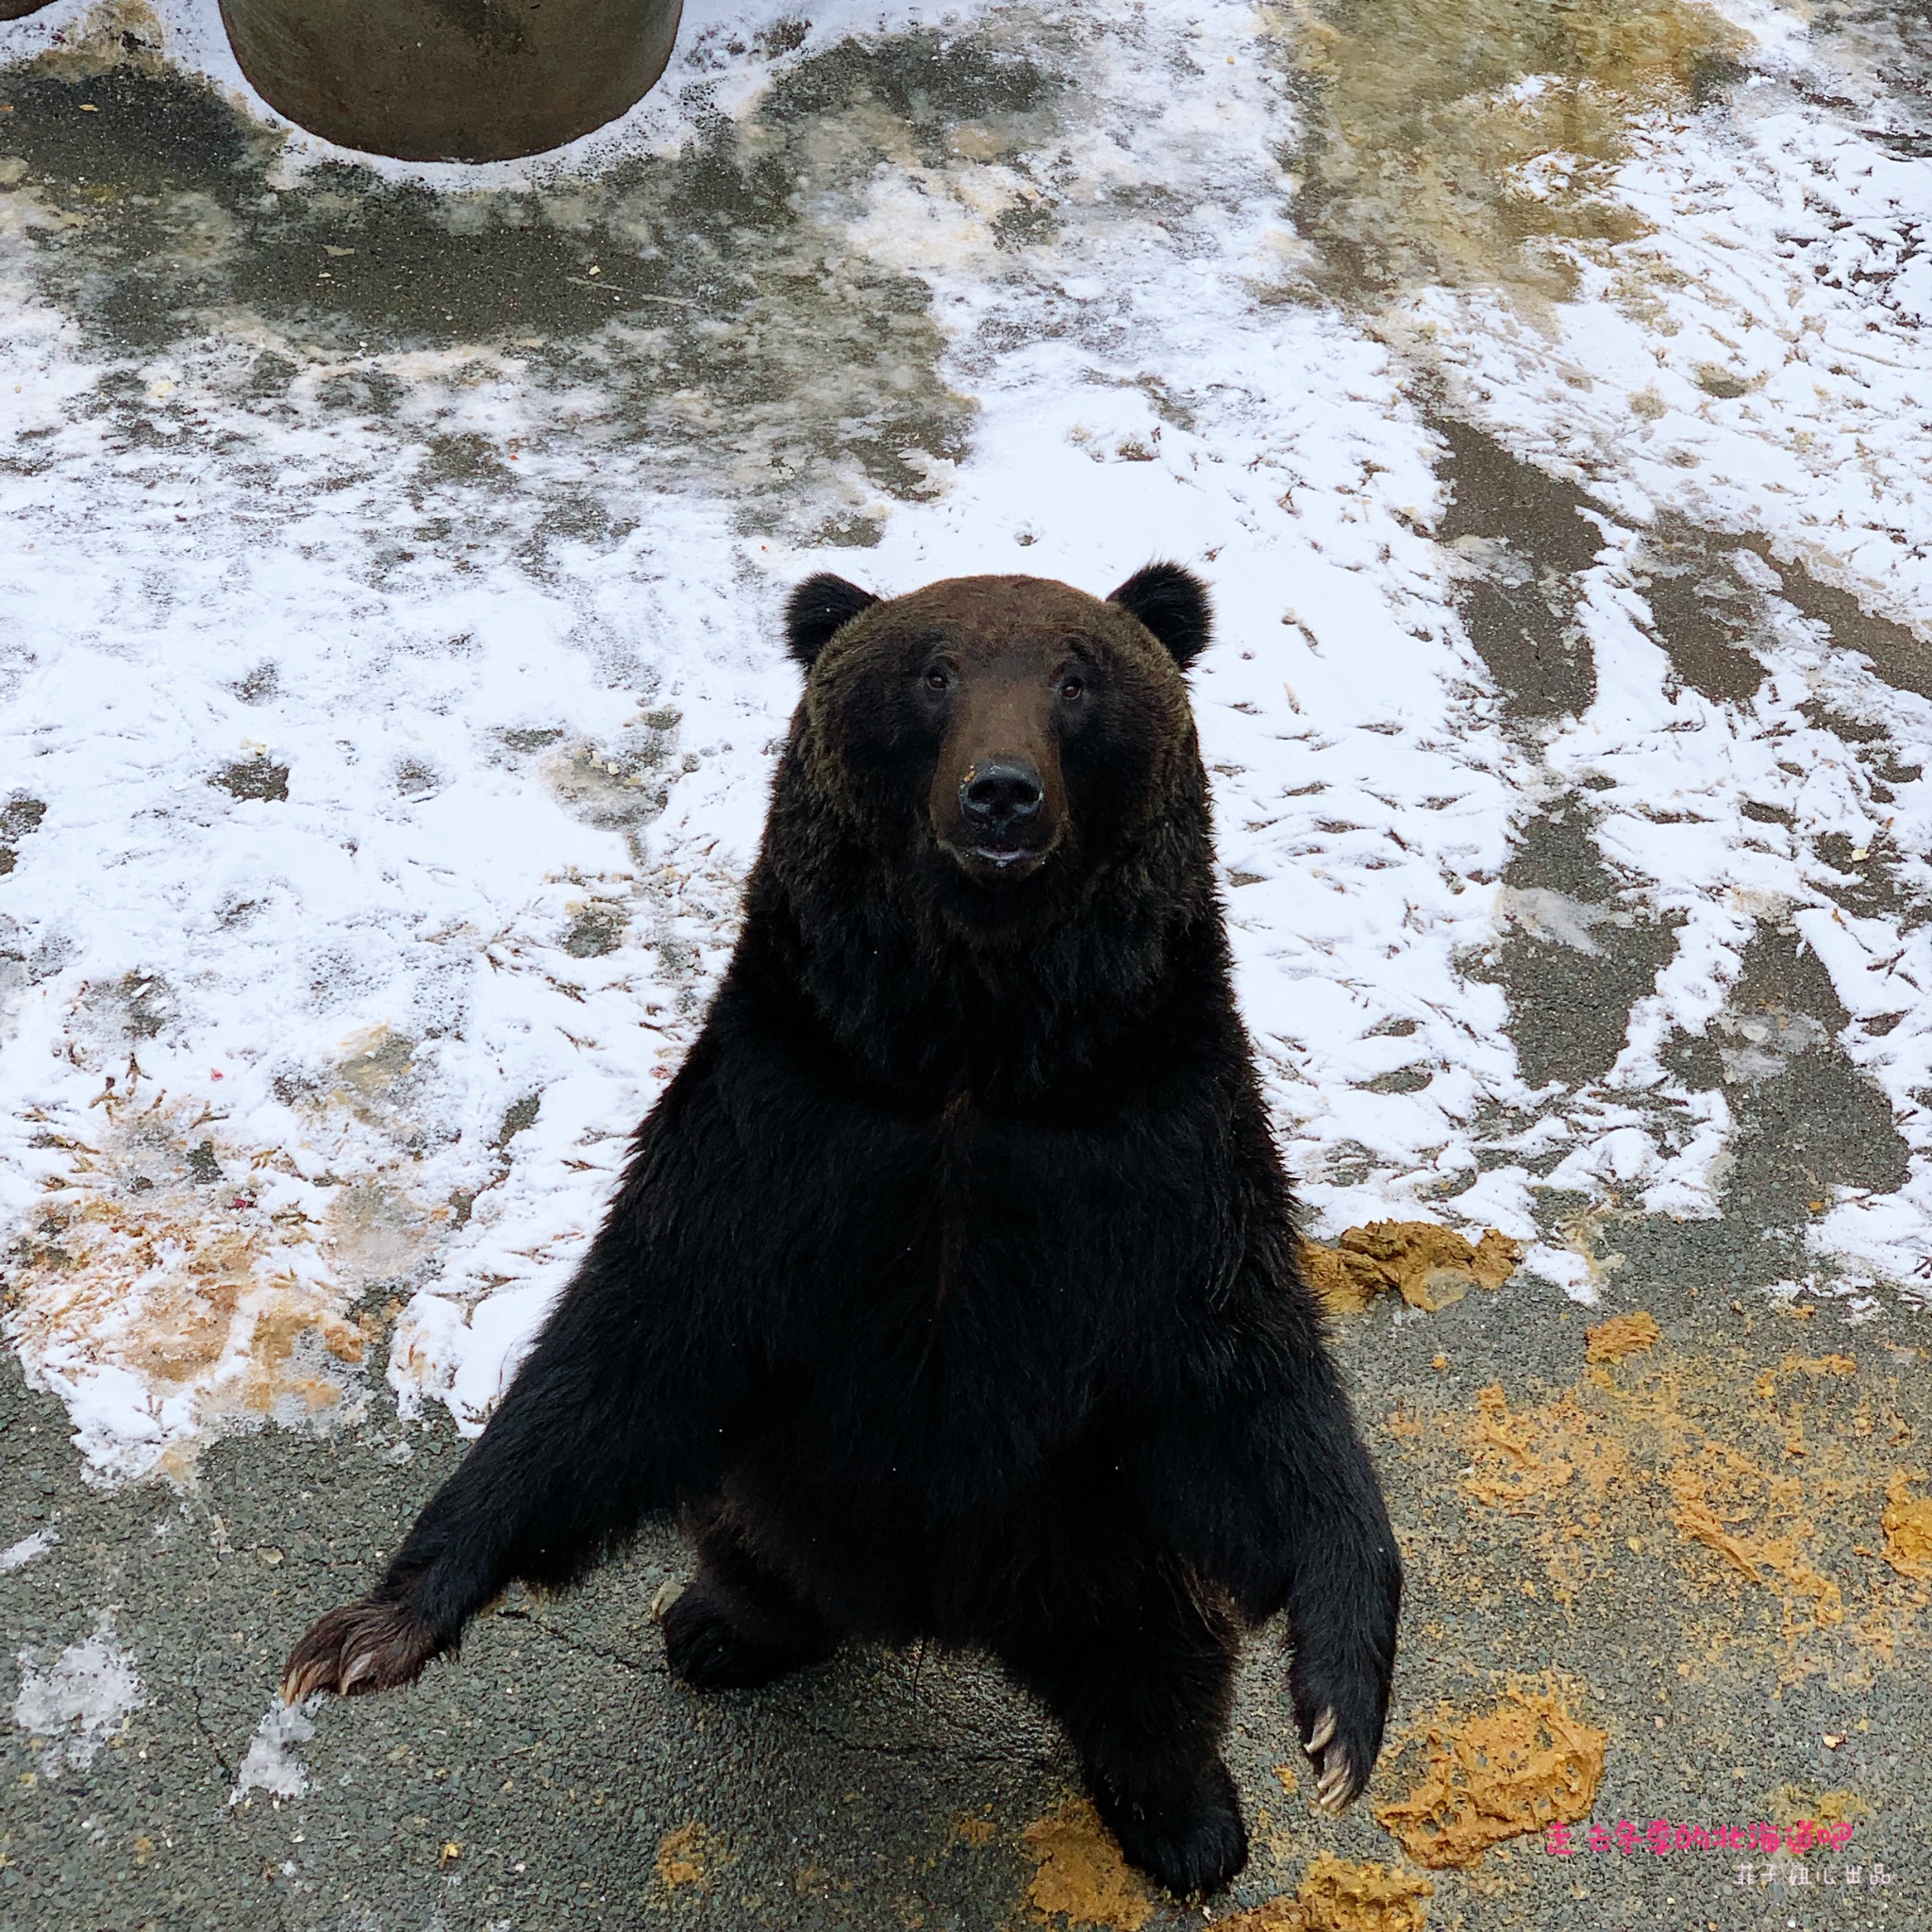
[[951, 1290]]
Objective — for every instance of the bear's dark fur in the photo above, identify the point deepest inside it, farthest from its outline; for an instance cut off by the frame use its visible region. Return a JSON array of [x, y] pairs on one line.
[[951, 1288]]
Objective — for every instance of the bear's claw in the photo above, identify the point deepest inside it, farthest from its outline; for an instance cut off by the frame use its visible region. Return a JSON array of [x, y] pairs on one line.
[[1337, 1782], [376, 1645]]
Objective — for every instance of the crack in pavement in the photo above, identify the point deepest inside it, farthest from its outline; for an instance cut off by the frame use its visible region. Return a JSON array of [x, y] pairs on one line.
[[638, 1665], [230, 1772]]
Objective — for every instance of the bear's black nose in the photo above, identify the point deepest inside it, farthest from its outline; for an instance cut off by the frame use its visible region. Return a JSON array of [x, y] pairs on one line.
[[1002, 793]]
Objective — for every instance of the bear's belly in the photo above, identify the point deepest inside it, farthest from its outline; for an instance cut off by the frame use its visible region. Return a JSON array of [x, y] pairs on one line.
[[922, 1526], [944, 1329], [855, 1549]]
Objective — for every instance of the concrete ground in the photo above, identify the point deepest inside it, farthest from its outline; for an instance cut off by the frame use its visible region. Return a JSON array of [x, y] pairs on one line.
[[555, 1776], [1709, 1560]]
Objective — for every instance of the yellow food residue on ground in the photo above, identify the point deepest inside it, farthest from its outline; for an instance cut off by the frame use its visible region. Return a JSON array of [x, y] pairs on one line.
[[1621, 1336], [1495, 1775], [1908, 1525], [1519, 1460], [1283, 1914], [1755, 1520], [1790, 1803], [212, 1278], [152, 1257], [117, 33], [681, 1856], [1667, 1457], [1820, 1365], [1475, 141], [1765, 1388], [1427, 1265], [1082, 1875], [1338, 1895]]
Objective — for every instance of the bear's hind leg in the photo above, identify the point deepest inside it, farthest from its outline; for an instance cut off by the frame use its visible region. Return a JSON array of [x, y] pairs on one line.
[[1142, 1686], [738, 1624]]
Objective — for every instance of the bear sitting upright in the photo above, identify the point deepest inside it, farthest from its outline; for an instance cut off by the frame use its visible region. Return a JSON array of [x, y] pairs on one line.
[[951, 1288]]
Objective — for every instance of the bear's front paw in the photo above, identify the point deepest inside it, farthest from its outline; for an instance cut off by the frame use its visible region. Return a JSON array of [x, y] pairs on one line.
[[1341, 1730], [1340, 1692], [1339, 1777], [376, 1645], [1189, 1840]]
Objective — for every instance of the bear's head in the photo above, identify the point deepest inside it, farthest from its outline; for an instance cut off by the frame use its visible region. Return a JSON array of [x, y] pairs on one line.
[[998, 741]]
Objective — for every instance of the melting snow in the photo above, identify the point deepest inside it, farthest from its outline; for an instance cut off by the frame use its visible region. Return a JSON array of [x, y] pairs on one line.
[[271, 1765], [408, 715], [74, 1705], [16, 1555]]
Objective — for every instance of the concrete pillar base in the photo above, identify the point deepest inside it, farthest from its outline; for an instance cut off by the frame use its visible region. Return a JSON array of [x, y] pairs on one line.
[[451, 80]]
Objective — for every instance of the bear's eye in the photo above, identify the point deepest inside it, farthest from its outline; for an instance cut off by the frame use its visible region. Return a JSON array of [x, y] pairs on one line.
[[938, 677], [1071, 687]]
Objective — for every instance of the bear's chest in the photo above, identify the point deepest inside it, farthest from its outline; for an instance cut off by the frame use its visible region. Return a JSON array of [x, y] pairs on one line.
[[957, 1266], [985, 1277]]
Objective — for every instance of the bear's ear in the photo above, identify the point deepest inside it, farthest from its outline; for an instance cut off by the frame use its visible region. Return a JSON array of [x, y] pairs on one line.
[[819, 607], [1173, 604]]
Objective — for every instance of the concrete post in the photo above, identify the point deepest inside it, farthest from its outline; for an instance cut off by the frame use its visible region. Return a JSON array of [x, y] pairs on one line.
[[457, 80]]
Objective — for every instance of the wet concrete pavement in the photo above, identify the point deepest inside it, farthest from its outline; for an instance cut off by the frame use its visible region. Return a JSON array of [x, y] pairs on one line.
[[1713, 1552], [553, 1775]]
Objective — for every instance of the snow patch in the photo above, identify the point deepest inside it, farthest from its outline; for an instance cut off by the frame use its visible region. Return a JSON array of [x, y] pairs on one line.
[[271, 1765], [412, 726], [74, 1705], [18, 1556]]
